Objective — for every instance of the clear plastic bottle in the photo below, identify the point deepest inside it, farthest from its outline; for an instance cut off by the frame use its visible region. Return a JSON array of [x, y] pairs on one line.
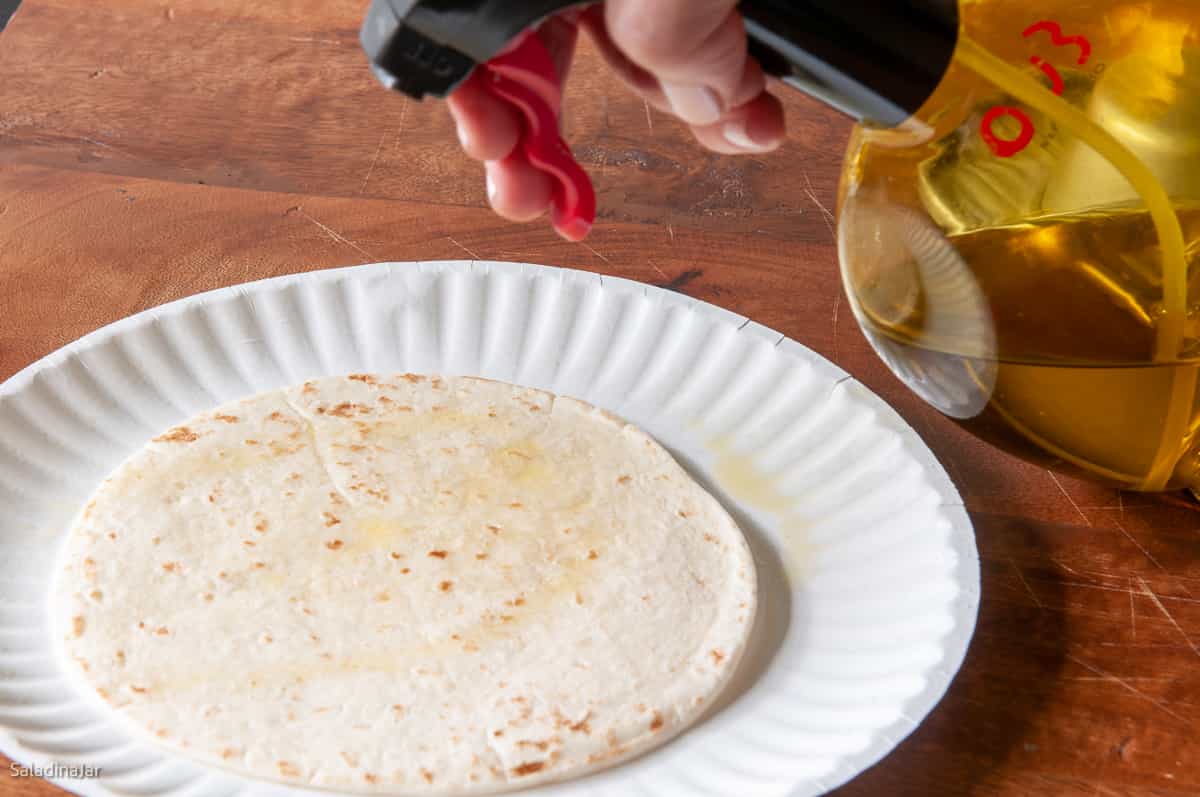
[[1019, 251]]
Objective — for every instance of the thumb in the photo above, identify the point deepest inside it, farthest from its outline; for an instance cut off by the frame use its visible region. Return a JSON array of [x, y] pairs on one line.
[[695, 48]]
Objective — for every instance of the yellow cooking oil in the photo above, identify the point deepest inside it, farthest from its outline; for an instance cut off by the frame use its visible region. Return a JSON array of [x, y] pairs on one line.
[[1042, 299]]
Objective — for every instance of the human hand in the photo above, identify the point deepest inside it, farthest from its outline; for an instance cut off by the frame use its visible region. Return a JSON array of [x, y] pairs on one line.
[[685, 57]]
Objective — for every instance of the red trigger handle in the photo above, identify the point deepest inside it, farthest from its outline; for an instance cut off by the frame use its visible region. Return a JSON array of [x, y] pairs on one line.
[[524, 76]]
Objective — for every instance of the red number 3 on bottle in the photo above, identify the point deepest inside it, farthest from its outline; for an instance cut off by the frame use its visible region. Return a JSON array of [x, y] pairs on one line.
[[1006, 148]]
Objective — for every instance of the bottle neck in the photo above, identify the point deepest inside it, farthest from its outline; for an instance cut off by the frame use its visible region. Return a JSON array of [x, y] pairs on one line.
[[876, 62]]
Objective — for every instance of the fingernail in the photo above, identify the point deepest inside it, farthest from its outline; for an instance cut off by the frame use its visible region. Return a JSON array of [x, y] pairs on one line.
[[735, 133], [696, 105], [491, 186]]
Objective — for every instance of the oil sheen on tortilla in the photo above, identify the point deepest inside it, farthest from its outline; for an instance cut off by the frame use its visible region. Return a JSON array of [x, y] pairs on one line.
[[405, 584]]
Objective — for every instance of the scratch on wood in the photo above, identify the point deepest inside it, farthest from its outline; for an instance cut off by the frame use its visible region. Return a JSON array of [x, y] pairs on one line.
[[332, 233], [1168, 615], [1141, 548], [649, 120], [1025, 583], [1132, 612], [1086, 585], [829, 218], [659, 271], [1120, 505], [671, 232], [374, 160], [1130, 687], [313, 40], [400, 124], [465, 249], [1063, 490], [597, 254]]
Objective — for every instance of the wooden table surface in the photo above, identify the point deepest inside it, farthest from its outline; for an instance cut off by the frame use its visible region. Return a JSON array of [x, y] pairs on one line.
[[150, 150]]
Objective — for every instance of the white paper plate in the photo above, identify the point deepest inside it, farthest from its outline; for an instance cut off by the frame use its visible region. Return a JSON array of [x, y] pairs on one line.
[[869, 586]]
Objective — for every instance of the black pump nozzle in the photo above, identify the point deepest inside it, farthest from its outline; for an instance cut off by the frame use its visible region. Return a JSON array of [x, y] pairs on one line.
[[876, 61]]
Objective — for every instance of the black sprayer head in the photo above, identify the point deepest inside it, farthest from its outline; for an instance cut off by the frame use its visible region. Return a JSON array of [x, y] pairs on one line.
[[875, 61], [425, 47]]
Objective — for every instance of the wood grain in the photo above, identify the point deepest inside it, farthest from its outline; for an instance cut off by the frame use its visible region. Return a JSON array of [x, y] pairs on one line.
[[151, 150]]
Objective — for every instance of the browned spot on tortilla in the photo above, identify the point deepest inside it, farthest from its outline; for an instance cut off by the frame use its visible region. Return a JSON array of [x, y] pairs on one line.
[[413, 378], [578, 599], [309, 388], [405, 570], [481, 556], [593, 555], [288, 769], [227, 418], [382, 597], [259, 565], [102, 692], [83, 664], [365, 378], [89, 562], [78, 625], [330, 519], [398, 708], [96, 595], [517, 505], [542, 745], [141, 625], [370, 777], [267, 639], [228, 753], [112, 535], [138, 689], [348, 409], [656, 722], [180, 434], [427, 775], [250, 441], [162, 630], [397, 555], [494, 529], [261, 526], [682, 513], [446, 586], [248, 543], [582, 726], [710, 538], [528, 768], [519, 602], [624, 479], [436, 383], [208, 596], [385, 400], [438, 554], [717, 655]]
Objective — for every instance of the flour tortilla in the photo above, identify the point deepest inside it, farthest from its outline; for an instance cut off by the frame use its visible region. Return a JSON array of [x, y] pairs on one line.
[[407, 585]]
